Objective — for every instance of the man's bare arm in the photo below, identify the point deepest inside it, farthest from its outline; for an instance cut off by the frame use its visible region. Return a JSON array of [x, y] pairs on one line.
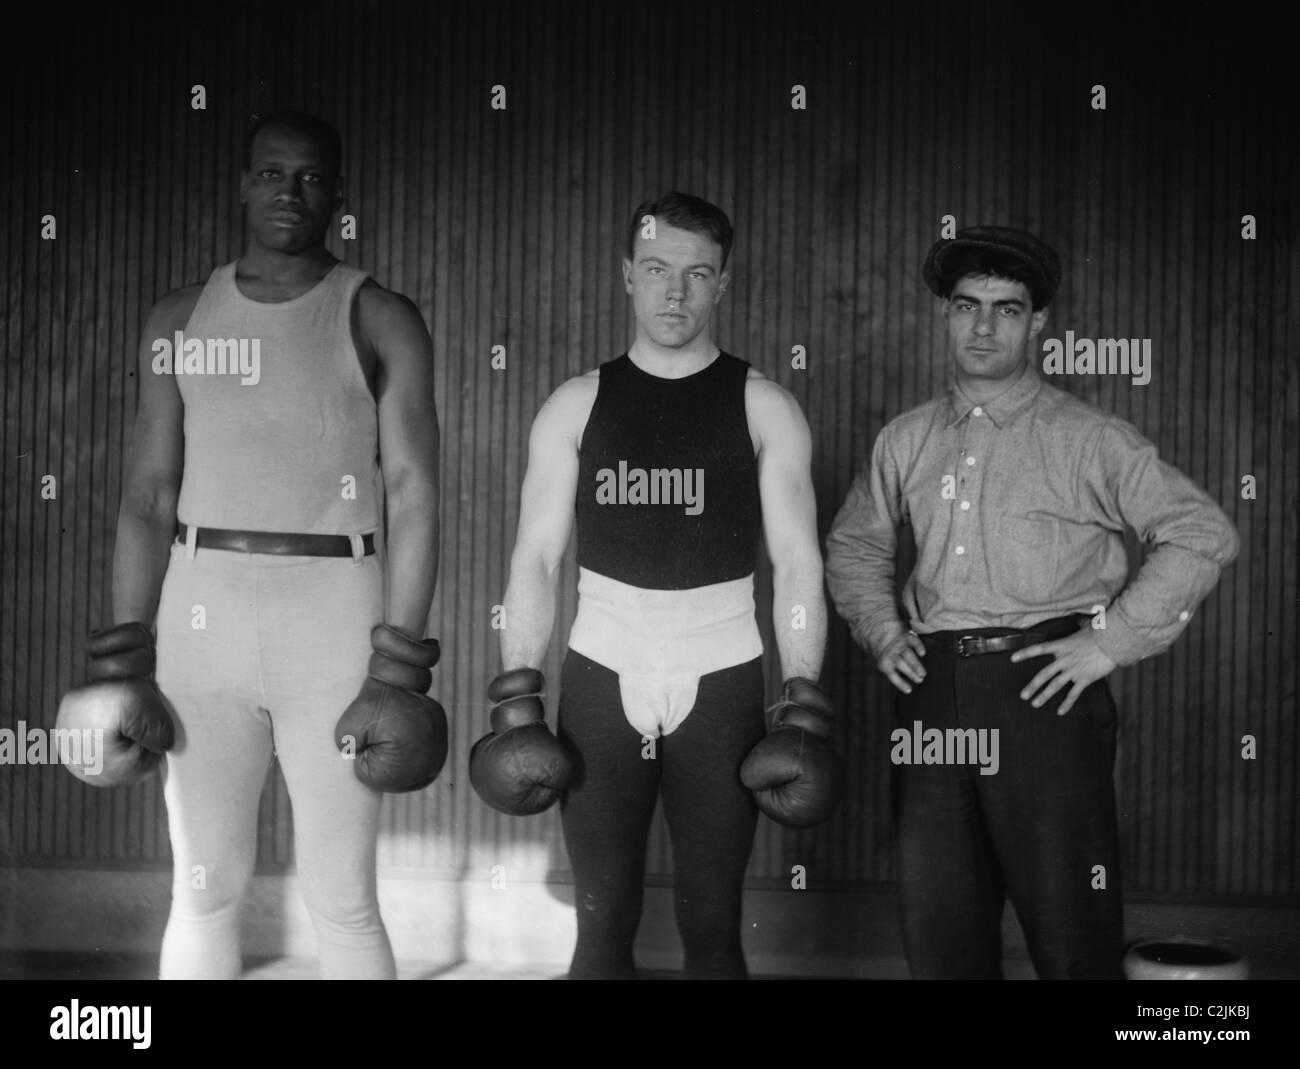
[[408, 453], [146, 519], [789, 527], [546, 510]]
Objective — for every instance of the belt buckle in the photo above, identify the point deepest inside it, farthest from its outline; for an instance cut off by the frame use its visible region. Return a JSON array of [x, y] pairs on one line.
[[962, 651]]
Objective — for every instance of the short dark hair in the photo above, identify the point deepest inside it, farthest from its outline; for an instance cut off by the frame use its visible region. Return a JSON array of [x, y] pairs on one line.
[[685, 212], [321, 133]]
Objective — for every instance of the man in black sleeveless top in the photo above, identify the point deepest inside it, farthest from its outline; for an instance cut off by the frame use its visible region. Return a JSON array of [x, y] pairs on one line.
[[675, 459]]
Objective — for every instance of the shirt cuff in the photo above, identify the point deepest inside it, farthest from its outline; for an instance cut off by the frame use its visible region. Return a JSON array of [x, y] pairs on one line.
[[1126, 643], [876, 638]]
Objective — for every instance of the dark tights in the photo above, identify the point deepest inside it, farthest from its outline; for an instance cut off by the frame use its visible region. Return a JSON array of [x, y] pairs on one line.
[[711, 817]]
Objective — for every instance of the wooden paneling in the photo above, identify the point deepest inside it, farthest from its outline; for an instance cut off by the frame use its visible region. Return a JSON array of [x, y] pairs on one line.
[[506, 228]]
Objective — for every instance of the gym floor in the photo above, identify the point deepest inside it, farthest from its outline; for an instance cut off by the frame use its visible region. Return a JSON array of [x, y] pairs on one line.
[[45, 965], [18, 965]]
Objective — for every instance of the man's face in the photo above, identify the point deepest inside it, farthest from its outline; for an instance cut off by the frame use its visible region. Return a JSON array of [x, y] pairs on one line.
[[991, 325], [675, 280], [288, 192]]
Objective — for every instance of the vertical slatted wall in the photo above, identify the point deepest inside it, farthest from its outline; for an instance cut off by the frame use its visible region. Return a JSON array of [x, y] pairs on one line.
[[504, 227]]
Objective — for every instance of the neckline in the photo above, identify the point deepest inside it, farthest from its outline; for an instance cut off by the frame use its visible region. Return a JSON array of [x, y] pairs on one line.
[[1003, 407], [640, 371], [234, 282]]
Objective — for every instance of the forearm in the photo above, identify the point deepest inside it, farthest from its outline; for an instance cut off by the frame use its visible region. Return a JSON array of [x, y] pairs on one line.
[[529, 611], [860, 551], [412, 558], [1191, 539], [140, 557], [1155, 608], [799, 617], [860, 575]]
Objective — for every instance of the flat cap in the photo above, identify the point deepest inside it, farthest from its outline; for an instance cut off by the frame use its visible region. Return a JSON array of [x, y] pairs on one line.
[[1041, 265]]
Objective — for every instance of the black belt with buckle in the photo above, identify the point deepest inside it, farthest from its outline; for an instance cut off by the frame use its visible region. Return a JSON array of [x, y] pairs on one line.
[[288, 545], [981, 641], [975, 645]]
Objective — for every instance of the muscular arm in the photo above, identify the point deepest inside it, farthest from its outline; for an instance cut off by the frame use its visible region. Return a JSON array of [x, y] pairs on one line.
[[545, 523], [146, 519], [789, 527], [408, 453]]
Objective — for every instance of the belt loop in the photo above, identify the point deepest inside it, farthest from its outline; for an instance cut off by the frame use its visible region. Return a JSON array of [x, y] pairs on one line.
[[358, 548], [191, 541]]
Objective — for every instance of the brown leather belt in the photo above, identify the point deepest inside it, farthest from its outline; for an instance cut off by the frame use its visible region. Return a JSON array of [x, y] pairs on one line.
[[978, 642], [288, 545]]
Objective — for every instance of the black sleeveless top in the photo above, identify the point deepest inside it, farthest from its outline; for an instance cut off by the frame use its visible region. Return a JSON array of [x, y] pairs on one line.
[[667, 479]]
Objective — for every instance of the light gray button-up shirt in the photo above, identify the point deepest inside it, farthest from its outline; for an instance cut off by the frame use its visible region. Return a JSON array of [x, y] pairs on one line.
[[1018, 509]]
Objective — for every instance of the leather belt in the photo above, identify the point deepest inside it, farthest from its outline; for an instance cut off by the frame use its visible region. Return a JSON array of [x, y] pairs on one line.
[[289, 545], [974, 644]]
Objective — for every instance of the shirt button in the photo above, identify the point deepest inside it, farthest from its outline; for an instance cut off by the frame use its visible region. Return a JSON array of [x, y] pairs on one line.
[[977, 411], [961, 550], [970, 461], [965, 505], [1184, 615]]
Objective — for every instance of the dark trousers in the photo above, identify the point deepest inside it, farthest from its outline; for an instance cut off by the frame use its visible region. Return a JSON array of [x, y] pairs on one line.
[[1041, 830], [711, 817]]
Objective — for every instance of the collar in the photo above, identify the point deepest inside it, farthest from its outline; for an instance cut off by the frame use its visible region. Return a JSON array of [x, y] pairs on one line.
[[1004, 408]]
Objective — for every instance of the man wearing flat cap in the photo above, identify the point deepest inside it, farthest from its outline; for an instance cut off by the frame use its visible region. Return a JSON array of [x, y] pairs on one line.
[[1019, 606]]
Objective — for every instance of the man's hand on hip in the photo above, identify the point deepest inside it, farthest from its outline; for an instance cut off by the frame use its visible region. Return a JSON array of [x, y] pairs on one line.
[[1077, 661], [901, 661]]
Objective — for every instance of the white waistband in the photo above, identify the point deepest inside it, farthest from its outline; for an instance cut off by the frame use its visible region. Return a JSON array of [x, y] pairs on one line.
[[661, 641]]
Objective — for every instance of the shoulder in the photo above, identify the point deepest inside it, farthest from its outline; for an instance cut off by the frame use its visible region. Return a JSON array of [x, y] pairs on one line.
[[902, 439], [569, 406], [380, 309], [767, 397], [774, 416], [920, 419], [172, 311], [1073, 416], [388, 327]]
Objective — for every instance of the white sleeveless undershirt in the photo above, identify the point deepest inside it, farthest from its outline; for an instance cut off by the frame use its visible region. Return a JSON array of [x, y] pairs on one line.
[[289, 441]]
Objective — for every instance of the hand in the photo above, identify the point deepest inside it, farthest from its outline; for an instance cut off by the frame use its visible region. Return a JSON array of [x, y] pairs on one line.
[[1077, 660], [901, 661]]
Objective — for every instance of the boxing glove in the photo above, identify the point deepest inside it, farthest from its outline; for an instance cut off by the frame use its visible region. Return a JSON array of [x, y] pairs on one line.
[[521, 768], [393, 730], [129, 720], [793, 771]]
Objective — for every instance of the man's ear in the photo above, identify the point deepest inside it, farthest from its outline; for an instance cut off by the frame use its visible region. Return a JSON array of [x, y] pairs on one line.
[[1038, 322], [724, 280], [338, 193], [627, 274]]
